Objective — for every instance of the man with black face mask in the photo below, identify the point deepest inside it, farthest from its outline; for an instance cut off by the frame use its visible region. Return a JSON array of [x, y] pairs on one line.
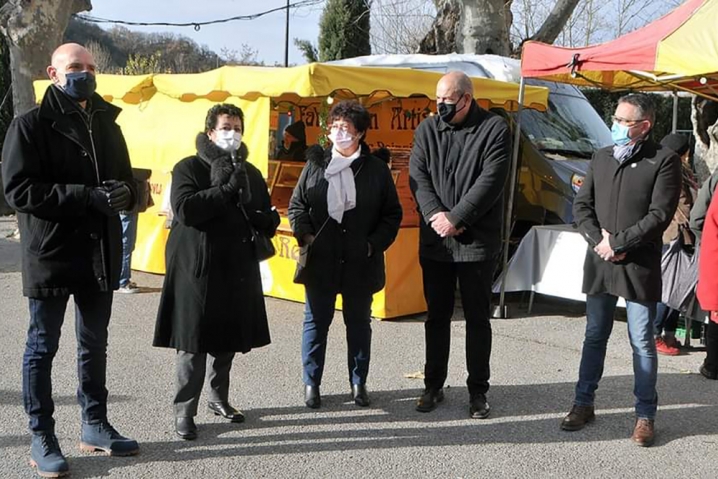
[[67, 173], [458, 168]]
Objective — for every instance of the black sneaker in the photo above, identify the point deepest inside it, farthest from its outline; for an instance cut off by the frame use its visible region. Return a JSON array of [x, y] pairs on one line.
[[429, 400], [479, 408], [103, 437], [46, 456]]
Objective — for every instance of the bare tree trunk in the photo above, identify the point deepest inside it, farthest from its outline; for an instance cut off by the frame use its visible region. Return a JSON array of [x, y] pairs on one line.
[[441, 38], [556, 21], [704, 116], [34, 28], [483, 27]]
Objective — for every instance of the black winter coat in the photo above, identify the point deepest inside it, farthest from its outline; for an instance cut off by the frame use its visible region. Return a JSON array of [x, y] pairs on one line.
[[52, 158], [462, 170], [339, 259], [212, 299], [634, 201]]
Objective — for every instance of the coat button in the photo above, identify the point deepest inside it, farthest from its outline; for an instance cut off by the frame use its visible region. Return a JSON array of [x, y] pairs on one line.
[[100, 278], [83, 153], [342, 261], [344, 230], [448, 170], [94, 236]]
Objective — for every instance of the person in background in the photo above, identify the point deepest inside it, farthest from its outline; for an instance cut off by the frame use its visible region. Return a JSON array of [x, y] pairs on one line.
[[458, 170], [626, 202], [129, 221], [295, 142], [66, 172], [700, 207], [345, 206], [707, 290], [666, 321], [212, 302]]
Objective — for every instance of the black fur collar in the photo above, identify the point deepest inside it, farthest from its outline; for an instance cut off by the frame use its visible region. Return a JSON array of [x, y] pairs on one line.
[[220, 161], [321, 156]]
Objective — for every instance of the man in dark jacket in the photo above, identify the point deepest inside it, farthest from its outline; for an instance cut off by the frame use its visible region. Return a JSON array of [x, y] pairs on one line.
[[458, 169], [625, 204], [67, 173]]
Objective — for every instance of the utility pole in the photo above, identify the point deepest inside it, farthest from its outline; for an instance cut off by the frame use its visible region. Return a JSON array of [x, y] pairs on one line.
[[286, 38]]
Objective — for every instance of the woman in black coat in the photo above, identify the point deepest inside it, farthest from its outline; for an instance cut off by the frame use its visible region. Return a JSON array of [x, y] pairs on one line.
[[212, 300], [345, 206]]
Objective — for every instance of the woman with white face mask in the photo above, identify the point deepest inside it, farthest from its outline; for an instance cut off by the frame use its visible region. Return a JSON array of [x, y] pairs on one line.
[[345, 206], [212, 301]]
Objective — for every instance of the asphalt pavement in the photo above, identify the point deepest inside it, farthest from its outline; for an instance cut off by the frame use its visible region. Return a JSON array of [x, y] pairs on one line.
[[534, 367]]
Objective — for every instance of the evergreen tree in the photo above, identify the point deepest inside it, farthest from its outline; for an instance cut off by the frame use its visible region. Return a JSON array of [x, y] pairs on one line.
[[344, 30]]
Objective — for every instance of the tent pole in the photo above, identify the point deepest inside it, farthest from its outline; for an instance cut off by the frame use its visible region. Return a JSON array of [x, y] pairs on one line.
[[675, 112], [503, 311]]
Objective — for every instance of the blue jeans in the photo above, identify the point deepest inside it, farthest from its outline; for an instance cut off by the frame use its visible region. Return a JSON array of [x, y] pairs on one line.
[[129, 236], [599, 313], [92, 316], [318, 315]]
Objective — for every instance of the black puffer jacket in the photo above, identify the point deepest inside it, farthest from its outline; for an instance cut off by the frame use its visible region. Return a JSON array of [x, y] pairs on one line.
[[52, 157], [340, 260]]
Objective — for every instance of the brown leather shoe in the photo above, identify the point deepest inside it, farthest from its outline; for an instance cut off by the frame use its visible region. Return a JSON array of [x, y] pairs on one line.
[[643, 433], [578, 418]]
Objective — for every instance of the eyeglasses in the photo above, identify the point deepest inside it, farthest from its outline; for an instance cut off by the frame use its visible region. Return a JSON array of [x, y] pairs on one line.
[[340, 126], [626, 122]]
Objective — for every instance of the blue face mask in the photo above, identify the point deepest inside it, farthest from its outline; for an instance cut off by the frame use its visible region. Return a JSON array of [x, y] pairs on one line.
[[80, 86], [619, 133]]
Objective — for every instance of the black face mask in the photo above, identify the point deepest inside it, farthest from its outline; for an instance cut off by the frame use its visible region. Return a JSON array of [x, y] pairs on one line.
[[447, 111], [80, 86]]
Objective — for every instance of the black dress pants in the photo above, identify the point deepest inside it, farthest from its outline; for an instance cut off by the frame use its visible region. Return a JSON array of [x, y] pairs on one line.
[[475, 279]]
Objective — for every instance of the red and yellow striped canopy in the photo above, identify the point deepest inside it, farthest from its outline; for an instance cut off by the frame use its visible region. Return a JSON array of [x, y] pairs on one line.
[[676, 52]]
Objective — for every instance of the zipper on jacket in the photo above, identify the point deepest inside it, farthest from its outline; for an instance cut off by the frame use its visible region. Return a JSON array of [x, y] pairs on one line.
[[87, 120]]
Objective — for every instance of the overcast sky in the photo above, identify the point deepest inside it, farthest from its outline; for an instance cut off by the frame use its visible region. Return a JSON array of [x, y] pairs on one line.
[[265, 34]]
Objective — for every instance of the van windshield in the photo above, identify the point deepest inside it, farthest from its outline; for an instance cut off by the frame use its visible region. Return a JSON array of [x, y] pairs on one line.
[[570, 126]]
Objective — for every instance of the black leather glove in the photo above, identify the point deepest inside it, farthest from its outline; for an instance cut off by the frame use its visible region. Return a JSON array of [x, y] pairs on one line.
[[238, 180], [119, 195], [99, 200], [238, 183]]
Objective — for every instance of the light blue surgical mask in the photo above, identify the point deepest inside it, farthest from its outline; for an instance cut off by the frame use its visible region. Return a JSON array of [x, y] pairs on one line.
[[619, 133]]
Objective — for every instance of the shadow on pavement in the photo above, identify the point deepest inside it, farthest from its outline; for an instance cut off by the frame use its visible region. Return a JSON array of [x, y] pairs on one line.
[[10, 261], [12, 398], [686, 410]]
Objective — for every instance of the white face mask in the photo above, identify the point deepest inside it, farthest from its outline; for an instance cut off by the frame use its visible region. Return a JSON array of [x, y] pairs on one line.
[[228, 140], [341, 139]]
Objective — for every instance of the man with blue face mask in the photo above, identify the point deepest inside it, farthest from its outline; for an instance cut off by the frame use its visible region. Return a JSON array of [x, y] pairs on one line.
[[67, 173], [626, 202]]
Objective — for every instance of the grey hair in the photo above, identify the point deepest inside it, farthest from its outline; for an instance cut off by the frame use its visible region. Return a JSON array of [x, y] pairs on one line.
[[644, 103]]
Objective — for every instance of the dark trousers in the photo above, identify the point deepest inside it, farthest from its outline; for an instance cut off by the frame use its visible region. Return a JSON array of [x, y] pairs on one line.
[[318, 315], [92, 316], [475, 280], [711, 362], [666, 319], [191, 370]]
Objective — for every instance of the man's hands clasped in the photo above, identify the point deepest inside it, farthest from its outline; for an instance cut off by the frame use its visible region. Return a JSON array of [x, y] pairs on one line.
[[111, 198], [604, 250], [443, 226]]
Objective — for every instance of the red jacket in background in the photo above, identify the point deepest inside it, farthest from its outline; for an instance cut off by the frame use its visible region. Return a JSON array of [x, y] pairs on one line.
[[707, 290]]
